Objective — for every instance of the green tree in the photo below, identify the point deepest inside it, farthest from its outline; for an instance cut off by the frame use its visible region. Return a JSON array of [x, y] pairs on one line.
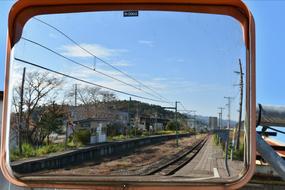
[[171, 125], [50, 120], [114, 129]]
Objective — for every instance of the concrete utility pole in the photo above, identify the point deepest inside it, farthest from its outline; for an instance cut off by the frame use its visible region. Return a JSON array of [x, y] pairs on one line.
[[155, 120], [229, 124], [137, 119], [229, 109], [66, 134], [240, 72], [176, 123], [129, 119], [75, 94], [221, 118], [21, 112]]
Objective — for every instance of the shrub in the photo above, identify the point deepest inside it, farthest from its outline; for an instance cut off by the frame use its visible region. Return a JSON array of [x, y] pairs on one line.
[[135, 132], [145, 133], [238, 154], [82, 136], [28, 150], [216, 139], [164, 132], [47, 149], [171, 125], [119, 138], [115, 129], [14, 154]]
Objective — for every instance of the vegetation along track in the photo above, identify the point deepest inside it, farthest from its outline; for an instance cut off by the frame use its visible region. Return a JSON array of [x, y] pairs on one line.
[[178, 162]]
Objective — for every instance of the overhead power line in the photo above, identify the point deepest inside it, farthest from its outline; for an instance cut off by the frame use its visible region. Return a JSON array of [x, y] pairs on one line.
[[183, 106], [186, 110], [103, 61], [88, 82], [85, 66]]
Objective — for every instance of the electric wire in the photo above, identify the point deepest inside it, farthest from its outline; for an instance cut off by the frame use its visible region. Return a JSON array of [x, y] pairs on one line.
[[85, 66], [88, 82], [103, 61], [184, 108]]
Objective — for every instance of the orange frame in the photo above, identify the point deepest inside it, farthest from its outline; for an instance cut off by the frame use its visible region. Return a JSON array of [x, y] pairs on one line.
[[25, 9]]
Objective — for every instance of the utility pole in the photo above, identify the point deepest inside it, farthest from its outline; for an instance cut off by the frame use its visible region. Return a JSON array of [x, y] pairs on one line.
[[176, 123], [229, 109], [21, 112], [129, 118], [66, 134], [221, 118], [155, 121], [137, 120], [240, 72], [229, 124], [75, 94]]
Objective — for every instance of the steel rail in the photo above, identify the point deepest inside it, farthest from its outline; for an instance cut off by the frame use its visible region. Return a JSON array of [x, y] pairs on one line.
[[182, 160]]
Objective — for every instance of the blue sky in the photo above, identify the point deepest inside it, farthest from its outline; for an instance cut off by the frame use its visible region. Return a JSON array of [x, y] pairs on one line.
[[161, 49], [270, 41]]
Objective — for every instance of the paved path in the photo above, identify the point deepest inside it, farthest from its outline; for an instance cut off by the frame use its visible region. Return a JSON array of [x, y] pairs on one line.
[[209, 164]]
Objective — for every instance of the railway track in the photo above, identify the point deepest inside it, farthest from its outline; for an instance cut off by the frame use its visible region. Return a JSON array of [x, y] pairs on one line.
[[177, 163]]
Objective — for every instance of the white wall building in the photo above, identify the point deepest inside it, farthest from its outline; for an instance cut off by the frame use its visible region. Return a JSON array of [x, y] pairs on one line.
[[213, 123]]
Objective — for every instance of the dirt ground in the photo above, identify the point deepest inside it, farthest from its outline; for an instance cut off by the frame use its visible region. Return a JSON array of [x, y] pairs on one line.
[[131, 164]]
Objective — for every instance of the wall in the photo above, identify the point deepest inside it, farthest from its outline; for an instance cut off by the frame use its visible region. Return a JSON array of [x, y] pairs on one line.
[[79, 156]]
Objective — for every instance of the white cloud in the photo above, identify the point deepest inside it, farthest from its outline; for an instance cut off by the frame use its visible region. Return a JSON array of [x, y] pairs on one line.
[[96, 49], [146, 42]]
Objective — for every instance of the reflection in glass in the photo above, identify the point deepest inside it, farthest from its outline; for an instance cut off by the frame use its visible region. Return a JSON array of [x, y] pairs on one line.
[[138, 94]]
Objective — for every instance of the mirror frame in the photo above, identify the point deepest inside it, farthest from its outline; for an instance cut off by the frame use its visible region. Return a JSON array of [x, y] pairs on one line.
[[23, 10]]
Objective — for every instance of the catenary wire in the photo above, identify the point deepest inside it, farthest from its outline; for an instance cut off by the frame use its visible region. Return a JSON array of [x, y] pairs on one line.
[[80, 64], [92, 54], [88, 82]]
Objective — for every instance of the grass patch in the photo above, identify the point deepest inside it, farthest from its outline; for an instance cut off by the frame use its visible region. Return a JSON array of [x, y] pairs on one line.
[[28, 151]]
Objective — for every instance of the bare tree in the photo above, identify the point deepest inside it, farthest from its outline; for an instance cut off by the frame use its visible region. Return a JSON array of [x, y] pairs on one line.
[[85, 94], [89, 95], [108, 96], [37, 87]]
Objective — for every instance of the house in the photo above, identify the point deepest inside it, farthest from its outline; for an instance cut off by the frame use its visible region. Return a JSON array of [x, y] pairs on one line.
[[97, 117], [146, 122], [158, 126], [97, 127], [121, 117]]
